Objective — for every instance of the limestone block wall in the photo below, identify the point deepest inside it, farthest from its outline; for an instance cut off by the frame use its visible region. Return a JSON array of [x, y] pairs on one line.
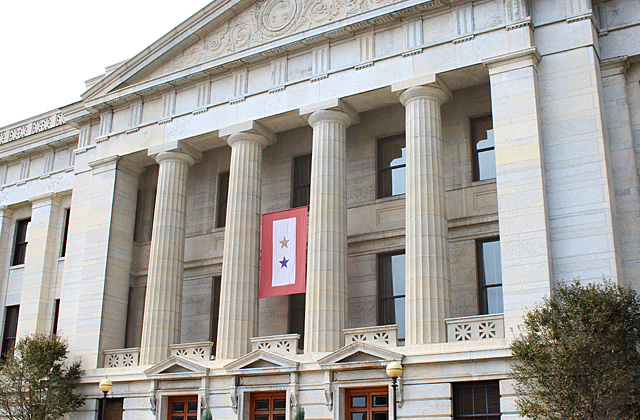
[[633, 103]]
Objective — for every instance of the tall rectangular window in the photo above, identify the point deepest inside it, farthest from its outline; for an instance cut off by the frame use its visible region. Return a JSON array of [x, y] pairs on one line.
[[301, 181], [476, 400], [490, 276], [392, 162], [56, 316], [10, 329], [65, 232], [21, 240], [223, 195], [215, 311], [296, 316], [391, 294], [484, 158], [268, 406]]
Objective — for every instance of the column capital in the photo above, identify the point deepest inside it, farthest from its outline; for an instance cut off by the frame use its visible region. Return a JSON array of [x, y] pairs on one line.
[[529, 57], [615, 66], [5, 211], [250, 131], [113, 162], [176, 149], [44, 199], [333, 110], [430, 86]]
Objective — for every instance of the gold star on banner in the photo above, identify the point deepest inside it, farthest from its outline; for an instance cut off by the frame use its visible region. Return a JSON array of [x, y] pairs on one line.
[[284, 242]]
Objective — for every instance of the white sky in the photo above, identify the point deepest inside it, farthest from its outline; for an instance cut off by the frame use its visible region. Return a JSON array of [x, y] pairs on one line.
[[49, 48]]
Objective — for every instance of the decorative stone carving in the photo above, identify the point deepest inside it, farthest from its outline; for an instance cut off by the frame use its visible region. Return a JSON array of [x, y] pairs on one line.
[[121, 357], [385, 335], [30, 128], [240, 85], [25, 166], [202, 100], [168, 107], [3, 174], [481, 327], [106, 120], [278, 74], [48, 162], [84, 138], [265, 21], [135, 117], [462, 22], [516, 10], [320, 63]]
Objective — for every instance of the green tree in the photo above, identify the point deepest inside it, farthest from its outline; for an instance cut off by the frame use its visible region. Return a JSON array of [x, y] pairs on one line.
[[299, 413], [578, 355], [36, 383]]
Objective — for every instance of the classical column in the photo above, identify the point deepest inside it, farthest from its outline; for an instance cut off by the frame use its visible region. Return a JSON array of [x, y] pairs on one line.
[[36, 300], [5, 249], [163, 303], [238, 319], [428, 296], [326, 298]]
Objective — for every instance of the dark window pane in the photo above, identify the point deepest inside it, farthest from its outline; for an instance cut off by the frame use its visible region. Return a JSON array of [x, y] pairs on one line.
[[301, 181], [358, 416], [65, 232], [223, 195], [383, 415], [476, 400], [279, 404], [357, 402], [56, 315], [215, 310], [21, 241], [391, 291], [193, 407], [296, 316], [192, 417], [176, 418], [391, 166], [262, 417], [262, 405], [10, 329], [491, 262], [177, 407], [278, 417], [380, 400]]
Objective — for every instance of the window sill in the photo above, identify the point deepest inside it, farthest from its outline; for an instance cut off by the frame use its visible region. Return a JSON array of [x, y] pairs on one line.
[[483, 182], [16, 267]]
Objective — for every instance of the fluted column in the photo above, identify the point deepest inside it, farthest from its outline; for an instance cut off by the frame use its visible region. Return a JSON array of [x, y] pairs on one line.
[[163, 302], [326, 297], [428, 300], [238, 317]]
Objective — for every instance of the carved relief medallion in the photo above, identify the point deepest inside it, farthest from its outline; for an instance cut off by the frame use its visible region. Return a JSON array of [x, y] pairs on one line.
[[277, 15]]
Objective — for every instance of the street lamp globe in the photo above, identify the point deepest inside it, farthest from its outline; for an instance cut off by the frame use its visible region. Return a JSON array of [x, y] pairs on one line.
[[394, 370], [105, 385]]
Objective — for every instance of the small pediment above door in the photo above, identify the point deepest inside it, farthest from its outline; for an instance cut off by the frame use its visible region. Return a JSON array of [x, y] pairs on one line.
[[176, 367], [261, 362], [359, 355]]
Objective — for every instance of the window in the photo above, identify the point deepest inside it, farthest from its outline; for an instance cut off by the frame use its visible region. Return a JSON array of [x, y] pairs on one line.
[[183, 407], [223, 195], [367, 404], [476, 400], [301, 181], [56, 315], [392, 161], [20, 245], [215, 311], [490, 276], [391, 291], [65, 233], [10, 329], [268, 406], [296, 316], [113, 410], [484, 158]]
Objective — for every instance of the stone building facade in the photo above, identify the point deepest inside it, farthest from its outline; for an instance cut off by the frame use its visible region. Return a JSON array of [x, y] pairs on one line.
[[459, 158]]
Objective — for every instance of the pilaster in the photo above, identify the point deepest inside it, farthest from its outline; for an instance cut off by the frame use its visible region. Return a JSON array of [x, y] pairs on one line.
[[163, 302], [5, 253], [522, 202], [36, 300], [326, 296], [238, 319], [428, 286]]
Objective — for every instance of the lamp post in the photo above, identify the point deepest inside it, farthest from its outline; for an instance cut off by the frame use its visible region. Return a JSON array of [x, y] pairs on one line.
[[105, 386], [394, 371]]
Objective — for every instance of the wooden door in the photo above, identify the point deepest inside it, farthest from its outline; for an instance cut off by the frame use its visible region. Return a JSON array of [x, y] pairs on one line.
[[183, 407]]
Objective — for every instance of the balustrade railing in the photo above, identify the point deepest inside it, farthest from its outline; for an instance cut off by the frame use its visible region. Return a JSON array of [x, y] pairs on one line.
[[286, 344], [196, 351], [121, 357], [384, 335], [481, 327]]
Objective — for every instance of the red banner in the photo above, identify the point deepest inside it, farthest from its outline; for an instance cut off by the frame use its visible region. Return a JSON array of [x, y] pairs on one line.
[[284, 253]]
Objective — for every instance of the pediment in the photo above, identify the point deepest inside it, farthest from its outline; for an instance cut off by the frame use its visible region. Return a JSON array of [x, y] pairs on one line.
[[176, 367], [359, 355], [260, 362], [238, 31]]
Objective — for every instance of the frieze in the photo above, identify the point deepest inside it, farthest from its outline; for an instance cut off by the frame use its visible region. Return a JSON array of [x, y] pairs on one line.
[[265, 21], [33, 127]]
